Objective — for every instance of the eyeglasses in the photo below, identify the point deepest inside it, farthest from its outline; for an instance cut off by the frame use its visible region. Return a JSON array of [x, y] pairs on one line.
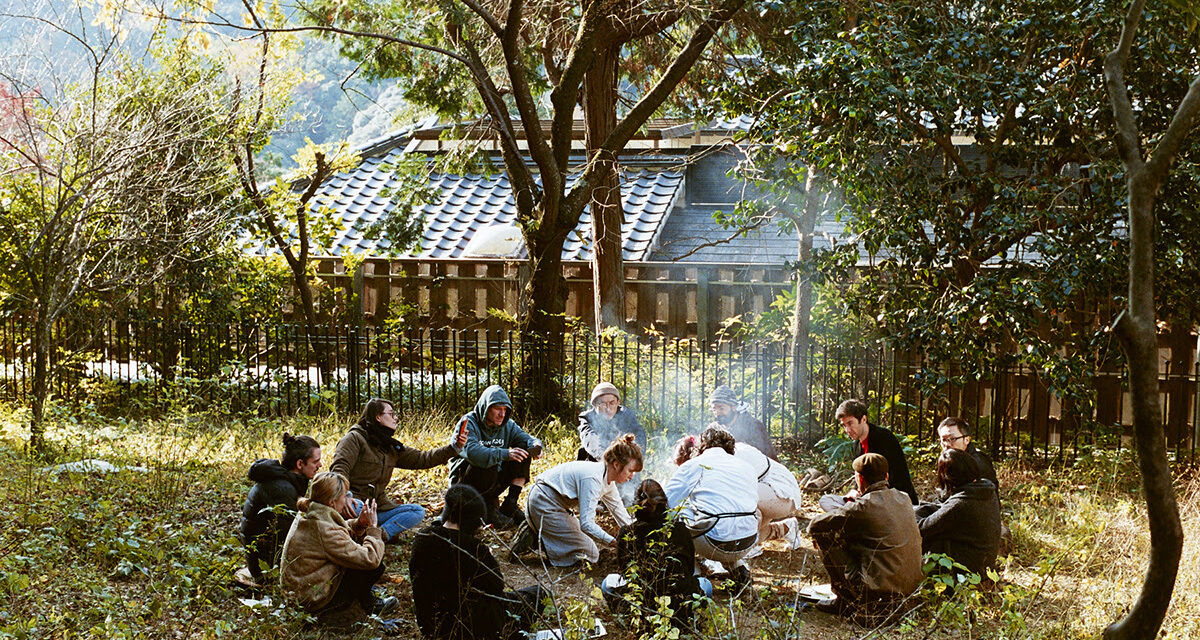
[[951, 439], [607, 403]]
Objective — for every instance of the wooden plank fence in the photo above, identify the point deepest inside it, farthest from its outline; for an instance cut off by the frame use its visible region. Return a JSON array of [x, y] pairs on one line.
[[677, 300]]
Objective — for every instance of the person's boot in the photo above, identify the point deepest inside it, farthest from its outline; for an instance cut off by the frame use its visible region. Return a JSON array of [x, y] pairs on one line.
[[510, 507], [497, 519]]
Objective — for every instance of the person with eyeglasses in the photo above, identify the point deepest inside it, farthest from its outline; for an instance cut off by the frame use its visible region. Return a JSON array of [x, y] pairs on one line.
[[369, 453], [605, 421], [954, 433]]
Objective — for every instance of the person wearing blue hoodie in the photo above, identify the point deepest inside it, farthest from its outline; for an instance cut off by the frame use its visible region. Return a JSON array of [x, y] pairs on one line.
[[496, 457]]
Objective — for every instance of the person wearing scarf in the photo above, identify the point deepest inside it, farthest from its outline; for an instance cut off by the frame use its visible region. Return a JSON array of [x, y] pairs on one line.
[[368, 454]]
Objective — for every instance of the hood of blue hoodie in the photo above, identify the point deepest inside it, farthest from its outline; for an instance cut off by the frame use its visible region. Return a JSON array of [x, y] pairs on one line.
[[490, 397]]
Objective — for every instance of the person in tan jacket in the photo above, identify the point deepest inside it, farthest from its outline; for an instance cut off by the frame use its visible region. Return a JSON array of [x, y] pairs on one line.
[[368, 454], [871, 545], [327, 562]]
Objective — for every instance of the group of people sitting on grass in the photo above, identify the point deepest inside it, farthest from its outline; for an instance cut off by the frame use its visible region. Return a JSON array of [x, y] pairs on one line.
[[728, 495]]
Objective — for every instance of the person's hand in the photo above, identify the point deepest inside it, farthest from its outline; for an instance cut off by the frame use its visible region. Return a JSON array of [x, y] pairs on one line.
[[460, 440], [369, 516], [852, 494], [516, 454]]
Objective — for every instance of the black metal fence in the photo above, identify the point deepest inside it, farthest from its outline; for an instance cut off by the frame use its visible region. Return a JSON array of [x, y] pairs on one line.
[[284, 369]]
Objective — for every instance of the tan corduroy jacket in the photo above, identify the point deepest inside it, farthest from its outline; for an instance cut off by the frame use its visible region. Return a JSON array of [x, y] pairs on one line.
[[318, 550]]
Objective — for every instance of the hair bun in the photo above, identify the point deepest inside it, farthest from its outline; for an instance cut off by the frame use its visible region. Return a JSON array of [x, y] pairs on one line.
[[628, 438], [288, 438]]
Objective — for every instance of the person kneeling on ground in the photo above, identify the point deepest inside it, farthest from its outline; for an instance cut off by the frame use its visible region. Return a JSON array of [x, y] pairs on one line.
[[581, 485], [268, 512], [496, 456], [779, 494], [458, 590], [719, 499], [656, 555], [870, 546], [966, 525], [328, 563], [368, 454]]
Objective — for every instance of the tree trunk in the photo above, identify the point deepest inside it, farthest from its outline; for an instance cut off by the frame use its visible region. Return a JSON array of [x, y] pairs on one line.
[[308, 308], [41, 384], [802, 313], [541, 328], [1138, 334], [600, 113]]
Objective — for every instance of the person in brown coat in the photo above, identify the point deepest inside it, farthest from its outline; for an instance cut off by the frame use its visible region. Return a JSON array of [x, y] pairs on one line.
[[327, 562], [870, 546], [368, 454]]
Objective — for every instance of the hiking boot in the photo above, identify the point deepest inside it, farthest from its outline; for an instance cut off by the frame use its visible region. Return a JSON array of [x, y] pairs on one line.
[[499, 520], [383, 605]]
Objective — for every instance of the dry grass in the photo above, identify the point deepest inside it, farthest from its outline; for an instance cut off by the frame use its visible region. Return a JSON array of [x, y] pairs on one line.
[[1076, 558]]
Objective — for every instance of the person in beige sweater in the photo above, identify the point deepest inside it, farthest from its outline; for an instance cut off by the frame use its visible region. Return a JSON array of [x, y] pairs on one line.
[[329, 563]]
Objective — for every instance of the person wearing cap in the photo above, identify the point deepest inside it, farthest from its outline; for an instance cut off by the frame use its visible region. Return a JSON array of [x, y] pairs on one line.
[[496, 456], [457, 588], [870, 438], [733, 416], [870, 546], [605, 421]]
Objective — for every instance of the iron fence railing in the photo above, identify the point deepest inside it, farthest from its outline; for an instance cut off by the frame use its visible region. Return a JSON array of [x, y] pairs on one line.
[[286, 369]]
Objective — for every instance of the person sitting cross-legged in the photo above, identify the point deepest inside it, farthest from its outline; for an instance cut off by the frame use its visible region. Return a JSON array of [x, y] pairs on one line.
[[966, 524], [870, 438], [870, 546], [458, 590]]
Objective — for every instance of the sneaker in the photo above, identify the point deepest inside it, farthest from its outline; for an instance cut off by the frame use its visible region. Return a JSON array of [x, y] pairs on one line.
[[524, 541], [794, 536], [384, 605]]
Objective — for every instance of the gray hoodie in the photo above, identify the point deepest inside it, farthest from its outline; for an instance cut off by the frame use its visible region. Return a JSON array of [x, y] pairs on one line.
[[487, 447]]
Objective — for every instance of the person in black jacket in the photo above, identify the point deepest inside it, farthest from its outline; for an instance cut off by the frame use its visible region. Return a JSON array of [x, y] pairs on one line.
[[966, 525], [869, 438], [458, 590], [953, 433], [270, 506], [658, 559]]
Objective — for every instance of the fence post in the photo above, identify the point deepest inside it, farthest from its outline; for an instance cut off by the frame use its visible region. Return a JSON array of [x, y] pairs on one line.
[[352, 337]]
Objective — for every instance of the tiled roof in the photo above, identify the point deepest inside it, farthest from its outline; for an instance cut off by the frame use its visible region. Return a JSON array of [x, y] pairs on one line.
[[464, 204]]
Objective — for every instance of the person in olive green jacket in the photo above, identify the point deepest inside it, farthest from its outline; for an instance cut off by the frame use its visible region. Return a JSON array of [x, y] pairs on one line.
[[870, 546], [369, 453]]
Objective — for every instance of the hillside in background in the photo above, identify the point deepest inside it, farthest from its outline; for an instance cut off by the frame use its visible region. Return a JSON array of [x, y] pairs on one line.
[[40, 40]]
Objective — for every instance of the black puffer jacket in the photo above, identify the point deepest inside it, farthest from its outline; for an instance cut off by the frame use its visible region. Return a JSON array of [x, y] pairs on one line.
[[965, 527], [263, 530]]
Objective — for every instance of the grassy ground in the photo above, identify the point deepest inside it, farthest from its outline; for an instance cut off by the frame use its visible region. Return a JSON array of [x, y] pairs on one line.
[[151, 554]]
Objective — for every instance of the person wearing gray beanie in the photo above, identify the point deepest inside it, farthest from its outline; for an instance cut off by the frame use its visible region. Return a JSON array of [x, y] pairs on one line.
[[734, 416]]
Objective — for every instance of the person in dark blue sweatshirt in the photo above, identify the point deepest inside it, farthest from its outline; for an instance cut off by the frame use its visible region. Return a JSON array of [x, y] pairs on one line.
[[268, 512], [496, 457]]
